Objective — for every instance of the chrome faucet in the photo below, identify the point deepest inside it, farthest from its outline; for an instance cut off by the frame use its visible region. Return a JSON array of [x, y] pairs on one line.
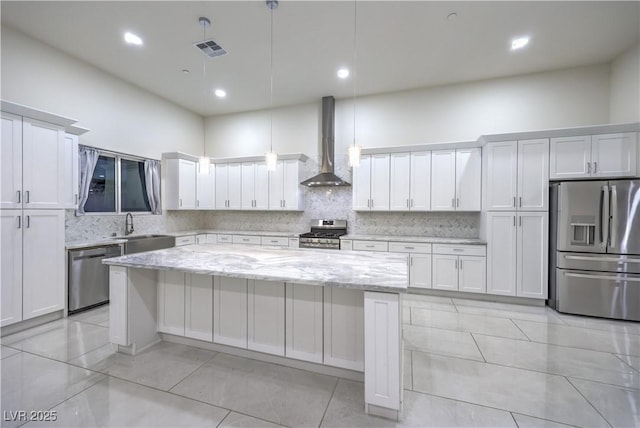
[[128, 226]]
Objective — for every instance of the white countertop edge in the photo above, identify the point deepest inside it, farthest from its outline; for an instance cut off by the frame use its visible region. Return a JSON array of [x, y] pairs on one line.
[[235, 232]]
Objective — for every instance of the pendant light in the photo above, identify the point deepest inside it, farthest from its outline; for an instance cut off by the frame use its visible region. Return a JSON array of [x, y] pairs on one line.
[[354, 150], [204, 160], [271, 158]]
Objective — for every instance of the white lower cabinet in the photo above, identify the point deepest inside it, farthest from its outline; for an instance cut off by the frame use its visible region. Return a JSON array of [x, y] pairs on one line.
[[171, 308], [420, 270], [459, 268], [303, 322], [11, 273], [517, 253], [266, 316], [230, 311], [344, 328], [198, 307]]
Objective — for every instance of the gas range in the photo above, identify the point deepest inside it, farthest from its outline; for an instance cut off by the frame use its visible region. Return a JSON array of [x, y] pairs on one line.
[[324, 234]]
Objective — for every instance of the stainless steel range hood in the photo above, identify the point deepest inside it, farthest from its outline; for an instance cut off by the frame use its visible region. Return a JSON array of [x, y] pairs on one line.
[[327, 176]]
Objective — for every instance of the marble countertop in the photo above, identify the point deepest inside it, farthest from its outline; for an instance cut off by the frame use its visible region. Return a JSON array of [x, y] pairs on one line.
[[329, 268], [236, 232], [96, 242], [422, 239]]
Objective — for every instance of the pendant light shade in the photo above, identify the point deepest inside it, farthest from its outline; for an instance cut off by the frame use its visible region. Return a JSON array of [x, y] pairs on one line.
[[271, 159], [354, 149]]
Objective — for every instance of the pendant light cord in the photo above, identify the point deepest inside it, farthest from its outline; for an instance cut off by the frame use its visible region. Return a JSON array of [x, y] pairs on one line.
[[204, 83], [271, 86], [355, 59]]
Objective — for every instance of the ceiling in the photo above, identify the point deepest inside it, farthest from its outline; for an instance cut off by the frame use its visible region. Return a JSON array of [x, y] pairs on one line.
[[399, 45]]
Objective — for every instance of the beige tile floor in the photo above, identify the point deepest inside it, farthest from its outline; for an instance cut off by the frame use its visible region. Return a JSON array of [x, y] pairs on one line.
[[467, 364]]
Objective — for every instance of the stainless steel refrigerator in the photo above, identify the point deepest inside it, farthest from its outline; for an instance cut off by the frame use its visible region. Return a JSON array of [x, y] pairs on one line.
[[594, 264]]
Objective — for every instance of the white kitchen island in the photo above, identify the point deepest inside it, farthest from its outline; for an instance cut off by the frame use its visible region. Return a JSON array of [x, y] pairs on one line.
[[335, 309]]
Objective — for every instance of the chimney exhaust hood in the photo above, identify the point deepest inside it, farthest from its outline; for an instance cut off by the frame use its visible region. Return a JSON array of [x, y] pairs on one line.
[[327, 176]]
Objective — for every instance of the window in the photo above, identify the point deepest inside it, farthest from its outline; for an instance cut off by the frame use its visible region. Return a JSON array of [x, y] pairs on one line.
[[118, 185]]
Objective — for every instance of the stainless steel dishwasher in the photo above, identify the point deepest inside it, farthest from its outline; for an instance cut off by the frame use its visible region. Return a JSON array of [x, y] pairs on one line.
[[88, 277]]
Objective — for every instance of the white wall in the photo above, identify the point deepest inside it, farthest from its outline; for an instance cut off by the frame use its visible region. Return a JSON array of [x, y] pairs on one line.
[[625, 86], [462, 112], [122, 117]]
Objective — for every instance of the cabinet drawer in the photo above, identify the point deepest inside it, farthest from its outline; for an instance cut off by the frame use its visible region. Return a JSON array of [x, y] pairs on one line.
[[467, 250], [274, 240], [246, 240], [224, 239], [370, 246], [409, 247], [185, 240]]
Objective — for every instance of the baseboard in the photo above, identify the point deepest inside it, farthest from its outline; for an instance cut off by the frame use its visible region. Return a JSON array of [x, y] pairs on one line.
[[476, 296], [30, 323]]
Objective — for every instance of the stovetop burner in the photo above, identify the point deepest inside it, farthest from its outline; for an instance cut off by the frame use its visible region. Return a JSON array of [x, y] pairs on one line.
[[324, 234]]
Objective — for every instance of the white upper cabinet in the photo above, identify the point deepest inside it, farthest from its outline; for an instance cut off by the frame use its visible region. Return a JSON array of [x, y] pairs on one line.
[[228, 185], [284, 186], [410, 182], [71, 171], [516, 175], [468, 179], [34, 167], [607, 155], [205, 187], [456, 180], [255, 186], [11, 159], [614, 155], [371, 183], [443, 180], [180, 187]]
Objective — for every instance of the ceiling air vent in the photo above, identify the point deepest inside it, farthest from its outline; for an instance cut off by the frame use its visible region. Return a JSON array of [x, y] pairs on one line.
[[210, 48]]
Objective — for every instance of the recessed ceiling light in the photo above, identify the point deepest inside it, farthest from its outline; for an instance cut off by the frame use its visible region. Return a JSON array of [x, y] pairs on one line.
[[132, 39], [452, 16], [186, 71], [343, 73], [220, 93], [519, 43]]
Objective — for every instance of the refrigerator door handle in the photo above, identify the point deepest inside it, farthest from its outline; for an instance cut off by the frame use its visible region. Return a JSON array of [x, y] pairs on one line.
[[604, 216], [602, 259], [605, 277], [614, 216]]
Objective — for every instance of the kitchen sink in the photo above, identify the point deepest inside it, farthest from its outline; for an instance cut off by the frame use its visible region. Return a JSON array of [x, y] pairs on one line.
[[141, 243]]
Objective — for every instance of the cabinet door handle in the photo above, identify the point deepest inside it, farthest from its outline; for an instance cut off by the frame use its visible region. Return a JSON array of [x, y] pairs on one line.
[[18, 192], [284, 203], [456, 263], [520, 201], [520, 221], [460, 264], [514, 201], [75, 198], [411, 203], [458, 250], [453, 202], [407, 203], [19, 222], [26, 195], [410, 261], [371, 203], [369, 246], [588, 167], [595, 167], [180, 203], [514, 220], [457, 202], [408, 248], [28, 225]]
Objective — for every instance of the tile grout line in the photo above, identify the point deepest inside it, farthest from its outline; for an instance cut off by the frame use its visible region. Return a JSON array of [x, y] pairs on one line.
[[194, 370], [587, 400], [522, 368], [329, 402], [521, 331], [514, 420], [478, 346], [474, 332], [626, 363], [411, 367], [223, 419], [455, 306]]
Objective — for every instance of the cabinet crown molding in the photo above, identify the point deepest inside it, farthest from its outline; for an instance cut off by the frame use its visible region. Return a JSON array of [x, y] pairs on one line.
[[288, 156]]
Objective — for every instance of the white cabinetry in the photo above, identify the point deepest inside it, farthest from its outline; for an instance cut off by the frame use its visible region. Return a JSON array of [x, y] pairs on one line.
[[228, 185], [303, 318], [255, 186], [284, 186], [459, 268], [180, 184], [410, 183], [344, 328], [171, 310], [33, 164], [205, 187], [371, 183], [419, 262], [266, 316], [43, 267], [198, 307], [516, 175], [606, 155], [230, 311], [456, 179], [517, 246], [71, 171], [11, 273]]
